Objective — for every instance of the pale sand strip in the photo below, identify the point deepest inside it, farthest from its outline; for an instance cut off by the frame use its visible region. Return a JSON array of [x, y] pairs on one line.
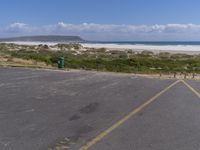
[[188, 49]]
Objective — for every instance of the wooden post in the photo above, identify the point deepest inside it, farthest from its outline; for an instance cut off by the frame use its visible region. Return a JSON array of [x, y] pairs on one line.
[[174, 74], [193, 75], [185, 75]]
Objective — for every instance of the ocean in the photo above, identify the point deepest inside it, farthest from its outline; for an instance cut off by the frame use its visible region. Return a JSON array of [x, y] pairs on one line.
[[158, 43]]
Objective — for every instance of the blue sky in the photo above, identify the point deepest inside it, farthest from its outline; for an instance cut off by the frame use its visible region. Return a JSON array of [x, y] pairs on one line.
[[102, 19]]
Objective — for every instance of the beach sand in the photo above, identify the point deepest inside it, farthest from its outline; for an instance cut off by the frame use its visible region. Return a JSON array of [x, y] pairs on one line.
[[184, 49]]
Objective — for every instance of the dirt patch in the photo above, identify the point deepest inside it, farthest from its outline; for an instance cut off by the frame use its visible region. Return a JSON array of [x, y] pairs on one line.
[[92, 107], [80, 132], [74, 117], [62, 145]]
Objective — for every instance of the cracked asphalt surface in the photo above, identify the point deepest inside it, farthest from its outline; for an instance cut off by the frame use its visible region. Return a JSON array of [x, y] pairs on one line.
[[42, 110]]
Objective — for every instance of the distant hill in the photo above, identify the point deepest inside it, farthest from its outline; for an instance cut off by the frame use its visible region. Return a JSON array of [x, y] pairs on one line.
[[43, 38]]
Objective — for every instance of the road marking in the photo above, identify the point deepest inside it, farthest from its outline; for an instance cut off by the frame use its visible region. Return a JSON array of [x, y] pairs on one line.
[[124, 119], [191, 88]]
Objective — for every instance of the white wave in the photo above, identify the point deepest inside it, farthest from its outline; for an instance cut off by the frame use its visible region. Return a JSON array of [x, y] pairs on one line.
[[146, 47]]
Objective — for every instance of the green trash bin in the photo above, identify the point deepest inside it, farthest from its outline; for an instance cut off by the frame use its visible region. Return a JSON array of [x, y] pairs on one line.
[[61, 63]]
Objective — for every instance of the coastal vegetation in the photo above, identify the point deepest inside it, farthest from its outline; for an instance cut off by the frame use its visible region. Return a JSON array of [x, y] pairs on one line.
[[102, 59]]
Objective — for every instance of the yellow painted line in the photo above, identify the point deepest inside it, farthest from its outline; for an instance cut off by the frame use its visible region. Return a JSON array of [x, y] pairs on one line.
[[124, 119], [191, 88]]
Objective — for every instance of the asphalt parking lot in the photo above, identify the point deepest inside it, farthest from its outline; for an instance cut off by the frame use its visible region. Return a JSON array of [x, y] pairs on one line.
[[47, 110]]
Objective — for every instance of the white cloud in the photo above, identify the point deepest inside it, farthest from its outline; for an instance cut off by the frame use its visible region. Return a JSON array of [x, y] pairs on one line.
[[17, 27], [92, 31]]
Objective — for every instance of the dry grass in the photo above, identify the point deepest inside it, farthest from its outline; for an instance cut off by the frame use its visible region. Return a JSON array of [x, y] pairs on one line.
[[6, 60]]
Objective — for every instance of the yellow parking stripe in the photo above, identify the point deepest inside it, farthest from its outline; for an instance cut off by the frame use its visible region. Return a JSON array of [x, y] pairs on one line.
[[191, 88], [124, 119]]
